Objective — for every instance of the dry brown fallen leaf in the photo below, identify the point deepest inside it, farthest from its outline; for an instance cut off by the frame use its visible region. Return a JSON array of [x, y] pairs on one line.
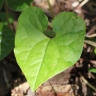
[[20, 90], [56, 86], [55, 90]]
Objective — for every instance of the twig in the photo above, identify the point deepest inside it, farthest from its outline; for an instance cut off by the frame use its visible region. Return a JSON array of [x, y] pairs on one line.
[[7, 13], [86, 82], [83, 3], [90, 42], [92, 30], [50, 7], [91, 36], [5, 77]]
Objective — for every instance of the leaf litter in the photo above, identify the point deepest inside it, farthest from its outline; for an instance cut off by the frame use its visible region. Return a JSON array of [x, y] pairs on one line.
[[71, 84]]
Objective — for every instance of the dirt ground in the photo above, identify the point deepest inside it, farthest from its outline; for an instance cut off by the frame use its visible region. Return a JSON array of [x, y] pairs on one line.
[[76, 80]]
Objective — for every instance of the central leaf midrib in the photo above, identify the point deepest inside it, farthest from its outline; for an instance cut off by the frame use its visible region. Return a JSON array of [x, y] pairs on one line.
[[41, 62]]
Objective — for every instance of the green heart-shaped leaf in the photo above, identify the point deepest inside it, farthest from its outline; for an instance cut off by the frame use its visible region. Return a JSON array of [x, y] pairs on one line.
[[6, 40], [41, 57]]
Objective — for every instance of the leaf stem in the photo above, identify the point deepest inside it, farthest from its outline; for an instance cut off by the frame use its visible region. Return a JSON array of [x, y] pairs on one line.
[[49, 24], [87, 83], [7, 13], [51, 9]]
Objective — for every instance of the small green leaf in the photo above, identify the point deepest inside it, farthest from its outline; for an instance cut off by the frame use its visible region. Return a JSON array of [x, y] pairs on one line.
[[95, 50], [3, 18], [92, 70], [40, 55], [19, 5], [6, 40], [1, 3]]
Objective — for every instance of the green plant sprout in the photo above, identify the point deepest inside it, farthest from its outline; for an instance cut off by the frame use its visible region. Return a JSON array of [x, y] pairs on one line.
[[41, 57], [43, 53]]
